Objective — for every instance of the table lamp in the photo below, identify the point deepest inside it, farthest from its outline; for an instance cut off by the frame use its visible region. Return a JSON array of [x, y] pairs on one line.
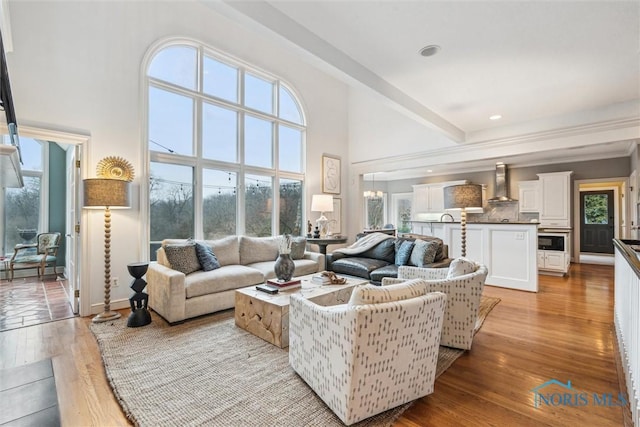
[[463, 197], [107, 194], [322, 203]]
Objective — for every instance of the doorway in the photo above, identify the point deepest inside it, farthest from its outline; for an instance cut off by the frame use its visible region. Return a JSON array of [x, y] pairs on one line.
[[597, 221]]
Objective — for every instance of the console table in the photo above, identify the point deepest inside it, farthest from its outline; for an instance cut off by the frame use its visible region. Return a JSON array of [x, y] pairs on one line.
[[323, 243]]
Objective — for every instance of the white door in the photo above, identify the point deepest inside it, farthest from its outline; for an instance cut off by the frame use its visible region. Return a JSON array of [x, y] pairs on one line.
[[74, 186]]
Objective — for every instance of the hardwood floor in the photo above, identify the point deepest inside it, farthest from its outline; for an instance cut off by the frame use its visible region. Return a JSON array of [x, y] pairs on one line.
[[563, 332]]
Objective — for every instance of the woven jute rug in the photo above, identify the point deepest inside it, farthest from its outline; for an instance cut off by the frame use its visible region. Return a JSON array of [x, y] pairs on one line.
[[209, 372]]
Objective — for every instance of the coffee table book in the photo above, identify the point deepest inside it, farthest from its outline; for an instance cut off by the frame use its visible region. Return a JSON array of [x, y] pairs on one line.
[[291, 284]]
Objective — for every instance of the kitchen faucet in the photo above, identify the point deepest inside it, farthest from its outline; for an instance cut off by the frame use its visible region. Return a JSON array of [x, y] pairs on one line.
[[447, 214]]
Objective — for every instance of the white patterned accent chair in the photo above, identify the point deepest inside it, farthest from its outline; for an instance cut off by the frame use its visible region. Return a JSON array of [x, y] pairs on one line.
[[463, 283], [377, 352]]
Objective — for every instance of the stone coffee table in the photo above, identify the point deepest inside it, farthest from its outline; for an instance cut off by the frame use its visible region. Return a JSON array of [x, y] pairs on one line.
[[267, 316]]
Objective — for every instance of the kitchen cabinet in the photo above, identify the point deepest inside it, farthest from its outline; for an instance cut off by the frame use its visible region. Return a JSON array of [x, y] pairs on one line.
[[553, 261], [529, 196], [555, 206], [428, 198]]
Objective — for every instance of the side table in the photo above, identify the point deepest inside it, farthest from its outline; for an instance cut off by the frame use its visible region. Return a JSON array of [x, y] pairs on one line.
[[323, 243]]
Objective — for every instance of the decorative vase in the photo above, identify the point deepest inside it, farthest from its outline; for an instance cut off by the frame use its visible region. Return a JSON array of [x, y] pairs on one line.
[[284, 267]]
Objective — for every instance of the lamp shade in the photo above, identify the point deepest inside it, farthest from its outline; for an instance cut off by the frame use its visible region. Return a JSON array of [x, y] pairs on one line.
[[103, 192], [322, 203], [463, 196]]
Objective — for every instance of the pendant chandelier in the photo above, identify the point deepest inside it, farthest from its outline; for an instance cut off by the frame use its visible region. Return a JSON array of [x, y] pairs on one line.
[[373, 194]]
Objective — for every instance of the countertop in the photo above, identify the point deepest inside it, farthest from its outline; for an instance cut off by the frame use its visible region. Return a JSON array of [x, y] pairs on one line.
[[478, 222]]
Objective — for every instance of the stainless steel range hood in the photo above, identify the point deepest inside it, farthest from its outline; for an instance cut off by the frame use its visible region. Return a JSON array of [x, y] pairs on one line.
[[502, 186]]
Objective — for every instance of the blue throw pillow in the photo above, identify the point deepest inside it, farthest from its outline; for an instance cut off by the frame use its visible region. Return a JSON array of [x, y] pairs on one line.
[[206, 257], [404, 252]]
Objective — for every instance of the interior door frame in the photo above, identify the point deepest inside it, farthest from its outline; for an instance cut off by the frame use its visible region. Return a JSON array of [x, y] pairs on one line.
[[81, 140], [620, 187]]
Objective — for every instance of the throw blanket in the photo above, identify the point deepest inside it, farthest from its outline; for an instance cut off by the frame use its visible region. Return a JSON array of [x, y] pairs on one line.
[[364, 244]]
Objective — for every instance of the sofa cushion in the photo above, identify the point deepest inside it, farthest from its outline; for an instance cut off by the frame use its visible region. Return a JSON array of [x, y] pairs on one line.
[[390, 270], [221, 279], [423, 253], [440, 255], [227, 250], [298, 247], [356, 266], [182, 258], [206, 257], [460, 267], [258, 249], [385, 250], [371, 294], [403, 253]]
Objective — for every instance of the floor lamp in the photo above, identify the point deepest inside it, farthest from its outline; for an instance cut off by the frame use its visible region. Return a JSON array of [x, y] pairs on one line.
[[463, 197], [107, 194]]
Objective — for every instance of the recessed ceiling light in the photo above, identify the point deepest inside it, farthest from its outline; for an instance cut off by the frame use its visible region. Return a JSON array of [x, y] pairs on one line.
[[495, 117], [429, 170], [430, 50]]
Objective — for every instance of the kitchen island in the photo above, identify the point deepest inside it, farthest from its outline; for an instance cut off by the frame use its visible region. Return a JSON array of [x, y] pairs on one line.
[[508, 249]]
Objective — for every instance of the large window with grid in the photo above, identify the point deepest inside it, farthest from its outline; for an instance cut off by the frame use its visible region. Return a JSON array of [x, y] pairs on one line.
[[226, 148]]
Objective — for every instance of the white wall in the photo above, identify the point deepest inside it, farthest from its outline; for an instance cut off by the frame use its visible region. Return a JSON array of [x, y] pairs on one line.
[[76, 66]]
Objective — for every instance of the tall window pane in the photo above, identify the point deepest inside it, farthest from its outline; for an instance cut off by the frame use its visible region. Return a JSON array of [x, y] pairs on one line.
[[170, 122], [31, 152], [258, 142], [258, 93], [290, 149], [220, 79], [289, 109], [22, 212], [219, 203], [374, 211], [177, 65], [171, 199], [258, 201], [219, 133], [291, 207]]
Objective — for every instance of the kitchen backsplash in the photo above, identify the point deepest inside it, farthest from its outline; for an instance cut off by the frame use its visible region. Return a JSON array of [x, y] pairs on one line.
[[502, 212]]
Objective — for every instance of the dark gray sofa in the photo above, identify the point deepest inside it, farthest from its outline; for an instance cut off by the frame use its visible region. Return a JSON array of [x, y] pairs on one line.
[[379, 261]]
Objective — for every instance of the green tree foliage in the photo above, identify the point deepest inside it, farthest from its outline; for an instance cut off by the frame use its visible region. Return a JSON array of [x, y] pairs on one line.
[[22, 210], [596, 209]]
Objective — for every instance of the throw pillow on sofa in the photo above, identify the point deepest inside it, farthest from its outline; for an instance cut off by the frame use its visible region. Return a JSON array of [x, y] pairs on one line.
[[372, 294], [206, 257], [423, 253], [298, 246], [403, 253], [182, 258]]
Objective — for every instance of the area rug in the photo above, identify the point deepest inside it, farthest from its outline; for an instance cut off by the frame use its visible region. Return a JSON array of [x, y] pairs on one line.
[[209, 372]]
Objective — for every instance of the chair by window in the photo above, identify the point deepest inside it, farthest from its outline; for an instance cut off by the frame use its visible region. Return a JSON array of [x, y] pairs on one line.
[[36, 255]]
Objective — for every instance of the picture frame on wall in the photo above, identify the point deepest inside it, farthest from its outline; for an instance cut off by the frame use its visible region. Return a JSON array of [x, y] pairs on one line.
[[335, 223], [331, 174]]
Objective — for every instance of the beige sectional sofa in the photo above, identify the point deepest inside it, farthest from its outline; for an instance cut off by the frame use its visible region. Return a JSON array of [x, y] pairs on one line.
[[244, 261]]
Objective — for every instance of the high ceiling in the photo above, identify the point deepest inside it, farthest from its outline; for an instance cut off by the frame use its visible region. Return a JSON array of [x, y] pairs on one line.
[[541, 65]]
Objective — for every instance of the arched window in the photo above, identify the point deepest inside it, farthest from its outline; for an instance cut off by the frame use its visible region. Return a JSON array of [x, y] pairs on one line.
[[226, 146]]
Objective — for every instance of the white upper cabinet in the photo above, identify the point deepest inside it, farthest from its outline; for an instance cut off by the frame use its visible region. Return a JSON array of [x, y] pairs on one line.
[[428, 198], [529, 199], [555, 190]]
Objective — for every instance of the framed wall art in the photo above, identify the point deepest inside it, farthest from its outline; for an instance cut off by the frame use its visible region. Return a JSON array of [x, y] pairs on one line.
[[335, 223], [330, 174]]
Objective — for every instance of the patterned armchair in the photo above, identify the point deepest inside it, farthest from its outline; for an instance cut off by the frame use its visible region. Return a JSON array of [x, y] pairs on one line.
[[37, 255], [463, 283], [368, 356]]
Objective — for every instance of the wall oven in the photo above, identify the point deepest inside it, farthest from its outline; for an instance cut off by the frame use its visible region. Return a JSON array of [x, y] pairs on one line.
[[552, 241]]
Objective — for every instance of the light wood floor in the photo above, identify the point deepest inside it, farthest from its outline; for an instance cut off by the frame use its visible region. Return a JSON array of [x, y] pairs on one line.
[[563, 332]]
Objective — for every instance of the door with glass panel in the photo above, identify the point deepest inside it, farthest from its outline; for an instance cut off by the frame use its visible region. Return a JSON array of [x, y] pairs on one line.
[[597, 221]]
